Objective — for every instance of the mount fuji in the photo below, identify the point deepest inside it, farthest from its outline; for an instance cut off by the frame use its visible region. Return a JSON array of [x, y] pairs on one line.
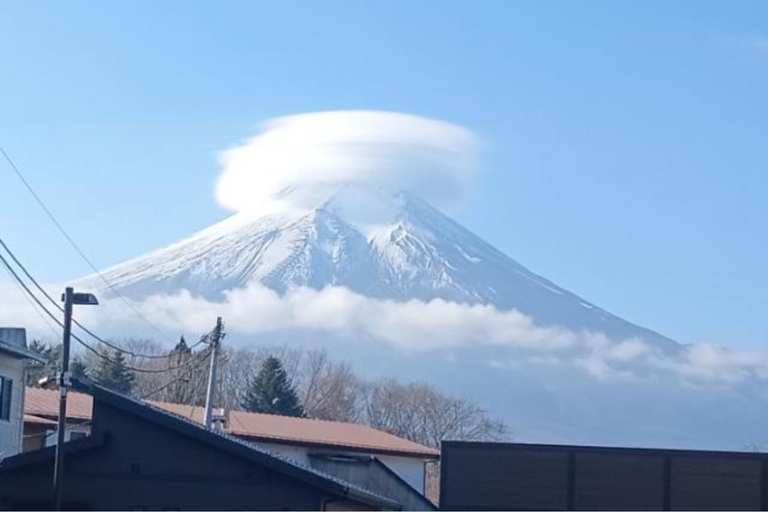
[[393, 248], [376, 242]]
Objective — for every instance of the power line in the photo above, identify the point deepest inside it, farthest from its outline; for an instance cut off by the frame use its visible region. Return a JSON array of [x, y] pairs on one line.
[[177, 379], [77, 247], [81, 326], [79, 340], [45, 320], [133, 368]]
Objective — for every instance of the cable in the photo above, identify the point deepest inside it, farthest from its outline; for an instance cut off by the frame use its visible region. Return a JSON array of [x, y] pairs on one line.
[[177, 379], [81, 326], [45, 320], [77, 338], [133, 368], [76, 247]]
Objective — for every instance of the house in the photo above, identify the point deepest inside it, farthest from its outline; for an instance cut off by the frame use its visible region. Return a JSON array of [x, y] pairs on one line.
[[138, 456], [296, 438], [513, 476], [14, 356]]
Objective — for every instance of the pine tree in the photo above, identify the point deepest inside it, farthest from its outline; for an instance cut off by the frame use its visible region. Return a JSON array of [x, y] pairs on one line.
[[52, 355], [115, 374], [271, 392], [78, 369], [185, 388]]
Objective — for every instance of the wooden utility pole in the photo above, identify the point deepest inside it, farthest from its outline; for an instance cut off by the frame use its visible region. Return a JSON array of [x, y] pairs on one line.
[[209, 396]]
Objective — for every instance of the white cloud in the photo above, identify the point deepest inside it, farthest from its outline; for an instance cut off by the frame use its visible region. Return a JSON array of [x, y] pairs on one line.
[[413, 326], [431, 158]]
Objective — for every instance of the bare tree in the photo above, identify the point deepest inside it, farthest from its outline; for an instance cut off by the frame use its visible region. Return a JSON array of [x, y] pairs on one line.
[[328, 390], [238, 365], [422, 414]]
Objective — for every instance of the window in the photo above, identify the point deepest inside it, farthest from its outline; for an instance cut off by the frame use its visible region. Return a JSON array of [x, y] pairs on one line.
[[6, 391], [73, 436]]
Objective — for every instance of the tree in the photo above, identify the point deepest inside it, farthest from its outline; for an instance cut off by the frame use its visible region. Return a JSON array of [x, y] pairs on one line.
[[78, 369], [187, 385], [329, 390], [113, 372], [52, 355], [422, 414], [271, 392]]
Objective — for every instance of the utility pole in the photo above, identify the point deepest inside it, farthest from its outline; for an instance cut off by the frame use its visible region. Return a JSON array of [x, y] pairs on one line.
[[58, 472], [215, 342], [70, 298]]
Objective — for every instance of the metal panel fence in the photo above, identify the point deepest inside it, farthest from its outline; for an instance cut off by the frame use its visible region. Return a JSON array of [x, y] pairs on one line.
[[510, 476]]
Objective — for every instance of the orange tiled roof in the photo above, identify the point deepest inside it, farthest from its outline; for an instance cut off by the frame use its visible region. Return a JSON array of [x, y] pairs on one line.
[[262, 427]]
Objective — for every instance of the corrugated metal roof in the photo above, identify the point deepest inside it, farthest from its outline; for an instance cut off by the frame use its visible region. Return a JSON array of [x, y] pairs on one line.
[[45, 402], [152, 412], [262, 427]]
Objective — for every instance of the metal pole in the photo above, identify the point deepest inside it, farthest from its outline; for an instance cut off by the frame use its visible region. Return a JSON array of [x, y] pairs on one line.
[[58, 473], [212, 373]]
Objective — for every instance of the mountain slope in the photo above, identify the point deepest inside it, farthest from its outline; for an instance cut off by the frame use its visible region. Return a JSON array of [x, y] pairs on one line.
[[382, 244]]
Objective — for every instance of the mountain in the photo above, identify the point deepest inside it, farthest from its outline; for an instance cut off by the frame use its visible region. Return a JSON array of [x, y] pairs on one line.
[[379, 243], [395, 246]]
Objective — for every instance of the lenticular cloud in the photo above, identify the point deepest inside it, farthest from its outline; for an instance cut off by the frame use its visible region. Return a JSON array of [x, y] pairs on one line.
[[431, 158]]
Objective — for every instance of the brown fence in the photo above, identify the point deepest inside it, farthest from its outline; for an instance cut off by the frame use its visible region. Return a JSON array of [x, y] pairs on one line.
[[508, 476]]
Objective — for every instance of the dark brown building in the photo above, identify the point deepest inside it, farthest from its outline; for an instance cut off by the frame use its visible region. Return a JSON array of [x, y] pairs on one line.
[[511, 476], [139, 457]]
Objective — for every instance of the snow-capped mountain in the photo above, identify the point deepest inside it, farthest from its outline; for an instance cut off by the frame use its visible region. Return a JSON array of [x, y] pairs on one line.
[[376, 242]]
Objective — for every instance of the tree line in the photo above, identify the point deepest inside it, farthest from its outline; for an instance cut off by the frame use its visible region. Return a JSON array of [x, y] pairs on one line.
[[281, 380]]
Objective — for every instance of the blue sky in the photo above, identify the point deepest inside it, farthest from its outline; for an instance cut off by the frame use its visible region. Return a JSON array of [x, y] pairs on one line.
[[624, 143]]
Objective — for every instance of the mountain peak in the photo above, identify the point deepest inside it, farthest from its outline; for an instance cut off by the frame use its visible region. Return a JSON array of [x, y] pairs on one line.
[[377, 242]]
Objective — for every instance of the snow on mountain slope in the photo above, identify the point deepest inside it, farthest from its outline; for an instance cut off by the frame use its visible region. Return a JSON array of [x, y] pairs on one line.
[[379, 243]]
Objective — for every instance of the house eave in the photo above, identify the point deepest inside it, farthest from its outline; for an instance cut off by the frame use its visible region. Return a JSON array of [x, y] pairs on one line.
[[20, 353]]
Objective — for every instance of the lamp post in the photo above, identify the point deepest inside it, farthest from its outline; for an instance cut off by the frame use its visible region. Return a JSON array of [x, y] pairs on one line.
[[70, 298]]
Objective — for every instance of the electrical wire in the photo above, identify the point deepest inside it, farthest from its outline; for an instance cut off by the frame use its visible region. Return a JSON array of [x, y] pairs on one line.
[[77, 247], [45, 319], [77, 338], [177, 379], [74, 320], [132, 368]]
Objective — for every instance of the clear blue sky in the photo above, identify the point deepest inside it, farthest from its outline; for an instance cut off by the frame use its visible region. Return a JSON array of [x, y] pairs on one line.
[[626, 152]]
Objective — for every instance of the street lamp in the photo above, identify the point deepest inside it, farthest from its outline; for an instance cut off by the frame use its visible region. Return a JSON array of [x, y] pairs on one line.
[[70, 298]]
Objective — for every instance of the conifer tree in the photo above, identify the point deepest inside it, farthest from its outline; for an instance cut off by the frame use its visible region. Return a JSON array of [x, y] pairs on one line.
[[78, 369], [52, 354], [115, 374], [271, 392]]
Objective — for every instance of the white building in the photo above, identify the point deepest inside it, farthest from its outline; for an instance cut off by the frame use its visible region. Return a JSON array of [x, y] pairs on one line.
[[13, 367]]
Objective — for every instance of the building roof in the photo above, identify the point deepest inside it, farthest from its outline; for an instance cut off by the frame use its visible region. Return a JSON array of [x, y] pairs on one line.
[[45, 403], [369, 472], [216, 439], [256, 427], [19, 352], [37, 420]]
